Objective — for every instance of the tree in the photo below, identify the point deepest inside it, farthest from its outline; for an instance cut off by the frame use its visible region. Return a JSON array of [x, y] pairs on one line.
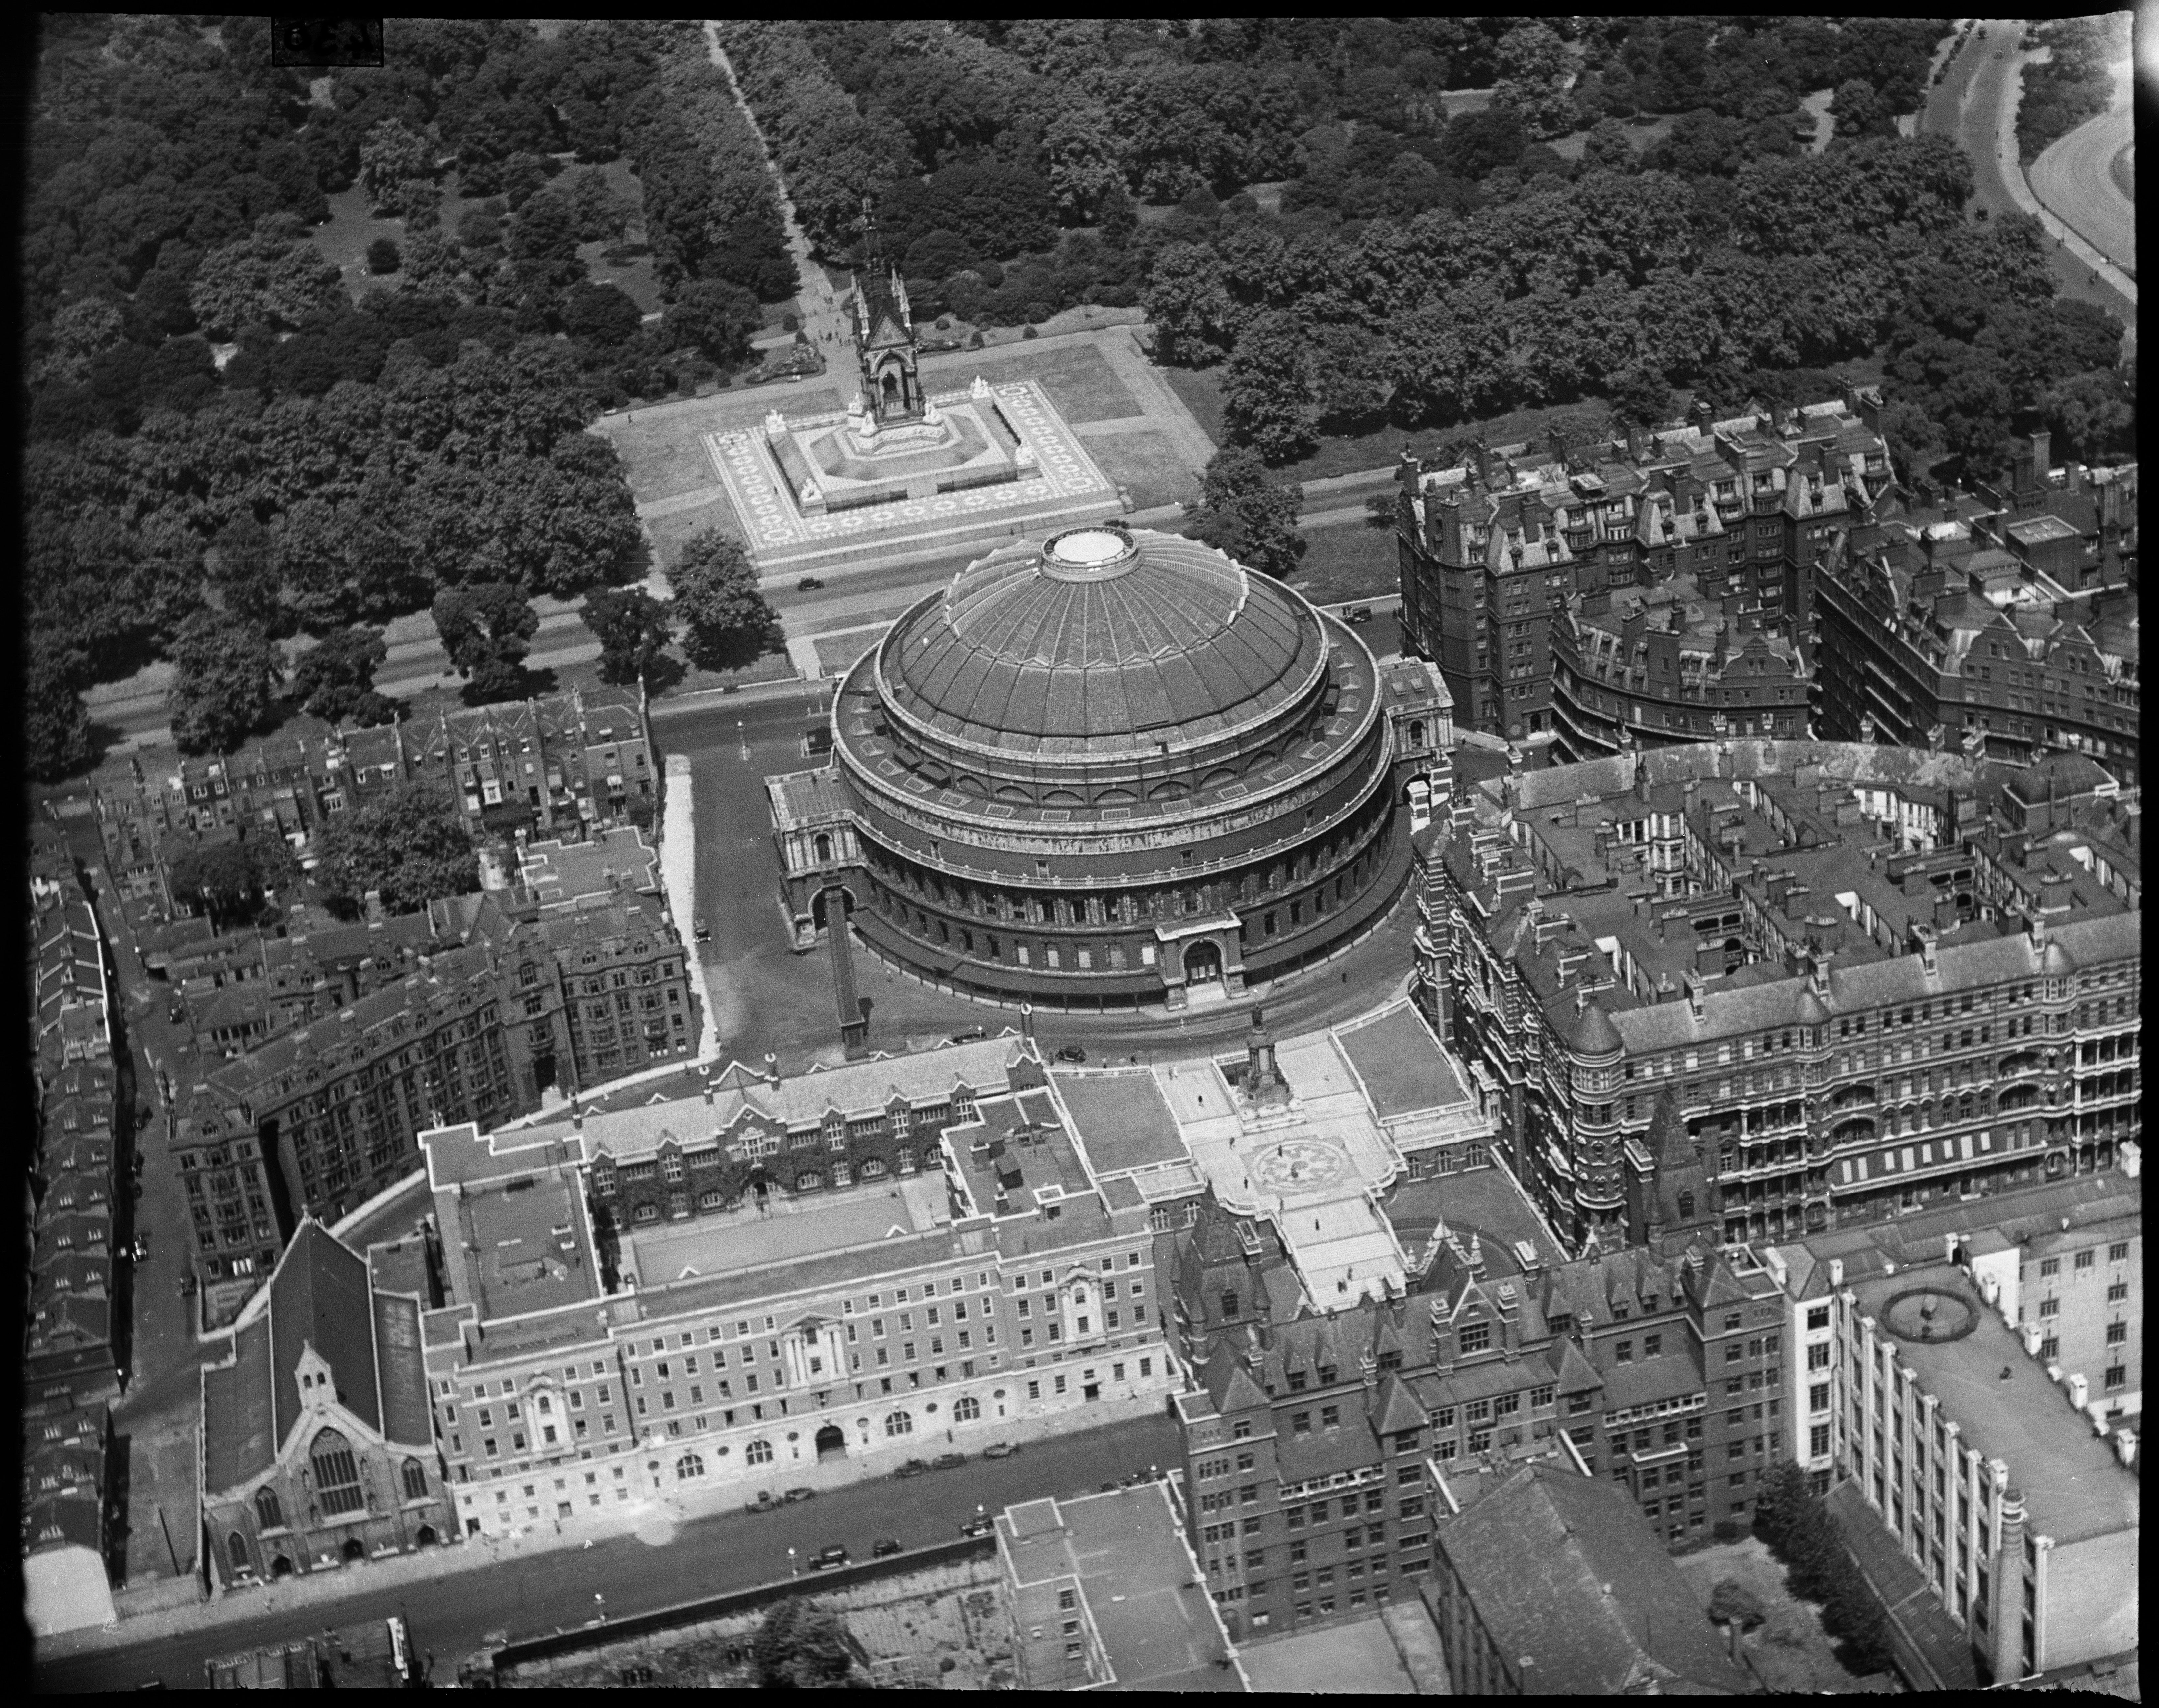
[[393, 156], [801, 1645], [632, 628], [1188, 297], [408, 842], [241, 570], [1640, 396], [382, 256], [224, 666], [718, 318], [1241, 512], [600, 314], [334, 675], [1533, 63], [1607, 148], [489, 623], [2093, 416], [1859, 111], [1267, 389], [223, 877], [56, 740], [1732, 1600], [727, 624]]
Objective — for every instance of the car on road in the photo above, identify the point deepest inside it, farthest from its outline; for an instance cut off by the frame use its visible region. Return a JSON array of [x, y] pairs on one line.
[[978, 1527], [139, 1252], [1072, 1052], [948, 1461], [808, 584], [913, 1468], [885, 1545], [999, 1449], [1360, 613], [176, 1014], [973, 1034], [830, 1557], [795, 1495], [764, 1502], [704, 932], [188, 1285]]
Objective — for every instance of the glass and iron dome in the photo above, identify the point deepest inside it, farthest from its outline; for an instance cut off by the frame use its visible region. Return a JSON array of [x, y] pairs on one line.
[[1101, 640]]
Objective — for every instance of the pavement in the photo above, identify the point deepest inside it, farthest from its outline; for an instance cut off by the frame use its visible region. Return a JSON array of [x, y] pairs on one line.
[[638, 1561]]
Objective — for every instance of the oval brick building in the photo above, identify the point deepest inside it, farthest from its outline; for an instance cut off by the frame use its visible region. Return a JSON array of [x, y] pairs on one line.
[[1108, 768]]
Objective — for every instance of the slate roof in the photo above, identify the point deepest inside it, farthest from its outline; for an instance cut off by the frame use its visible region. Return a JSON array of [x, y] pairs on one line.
[[1566, 1575], [1183, 643], [1903, 1588]]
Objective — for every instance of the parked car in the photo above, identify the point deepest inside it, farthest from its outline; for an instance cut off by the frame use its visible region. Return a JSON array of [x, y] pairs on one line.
[[1360, 613], [1072, 1052], [139, 1252], [913, 1468], [764, 1502], [830, 1557], [808, 584], [188, 1285], [880, 1549], [999, 1449], [176, 1014], [978, 1527], [948, 1461], [795, 1495], [973, 1034], [704, 932]]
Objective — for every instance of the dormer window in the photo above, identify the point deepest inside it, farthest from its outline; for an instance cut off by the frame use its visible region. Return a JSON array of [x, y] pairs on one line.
[[1297, 1381]]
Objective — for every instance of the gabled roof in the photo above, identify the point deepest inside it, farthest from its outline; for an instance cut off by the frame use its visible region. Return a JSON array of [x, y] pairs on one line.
[[320, 1297], [1394, 1407]]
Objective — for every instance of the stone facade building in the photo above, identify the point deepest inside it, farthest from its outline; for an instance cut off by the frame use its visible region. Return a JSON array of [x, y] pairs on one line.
[[1497, 553], [1111, 768], [1309, 1429], [1935, 635], [317, 1444], [1871, 978], [625, 1315]]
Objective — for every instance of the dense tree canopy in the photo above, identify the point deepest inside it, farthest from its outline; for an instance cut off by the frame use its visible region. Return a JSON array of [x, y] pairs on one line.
[[223, 670], [633, 629], [1244, 513], [407, 842]]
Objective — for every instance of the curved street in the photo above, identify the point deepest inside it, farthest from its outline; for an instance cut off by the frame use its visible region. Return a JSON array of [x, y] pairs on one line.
[[2075, 179]]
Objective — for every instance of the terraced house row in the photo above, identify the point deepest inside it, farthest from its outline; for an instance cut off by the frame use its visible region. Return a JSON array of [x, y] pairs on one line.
[[75, 1222], [568, 766], [1870, 979]]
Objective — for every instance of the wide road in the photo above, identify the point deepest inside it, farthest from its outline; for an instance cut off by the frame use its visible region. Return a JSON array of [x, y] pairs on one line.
[[2075, 178], [1973, 105], [535, 1593]]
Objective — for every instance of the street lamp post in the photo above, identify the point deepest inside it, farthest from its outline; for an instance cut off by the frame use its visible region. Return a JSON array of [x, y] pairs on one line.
[[792, 1570]]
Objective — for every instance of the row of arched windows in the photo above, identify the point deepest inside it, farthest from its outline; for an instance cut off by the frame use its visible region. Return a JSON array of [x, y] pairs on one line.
[[335, 1474]]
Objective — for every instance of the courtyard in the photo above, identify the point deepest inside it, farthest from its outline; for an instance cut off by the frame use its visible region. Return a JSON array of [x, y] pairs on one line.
[[1789, 1651]]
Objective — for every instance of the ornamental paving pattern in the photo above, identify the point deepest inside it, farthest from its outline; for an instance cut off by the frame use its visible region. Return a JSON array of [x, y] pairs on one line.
[[1068, 487]]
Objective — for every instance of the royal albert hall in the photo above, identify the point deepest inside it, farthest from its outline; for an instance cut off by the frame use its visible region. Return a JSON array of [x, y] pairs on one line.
[[1108, 768]]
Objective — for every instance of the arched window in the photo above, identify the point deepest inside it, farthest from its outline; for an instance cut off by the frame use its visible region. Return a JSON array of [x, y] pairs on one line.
[[269, 1515], [899, 1423], [688, 1465], [759, 1452], [809, 1181], [966, 1408], [235, 1548], [824, 849], [337, 1476], [414, 1476]]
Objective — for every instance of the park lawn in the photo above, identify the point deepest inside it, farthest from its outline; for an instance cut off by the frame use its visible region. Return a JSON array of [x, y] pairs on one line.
[[1790, 1651], [837, 653], [661, 457], [1643, 134], [1146, 466], [670, 534], [770, 667], [343, 240], [634, 279], [1199, 390], [1082, 385], [1348, 560]]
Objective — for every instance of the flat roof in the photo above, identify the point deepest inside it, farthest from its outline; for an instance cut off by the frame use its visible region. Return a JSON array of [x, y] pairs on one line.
[[1121, 1117], [525, 1248], [2073, 1485], [1137, 1578], [1403, 1069], [1485, 1201], [784, 1230]]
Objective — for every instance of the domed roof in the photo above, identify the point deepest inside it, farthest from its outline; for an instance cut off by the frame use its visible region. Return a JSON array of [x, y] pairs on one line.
[[1102, 639]]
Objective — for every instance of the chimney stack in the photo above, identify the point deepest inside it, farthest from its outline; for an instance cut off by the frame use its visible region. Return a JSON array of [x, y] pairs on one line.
[[705, 1078], [772, 1070], [1027, 1021]]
